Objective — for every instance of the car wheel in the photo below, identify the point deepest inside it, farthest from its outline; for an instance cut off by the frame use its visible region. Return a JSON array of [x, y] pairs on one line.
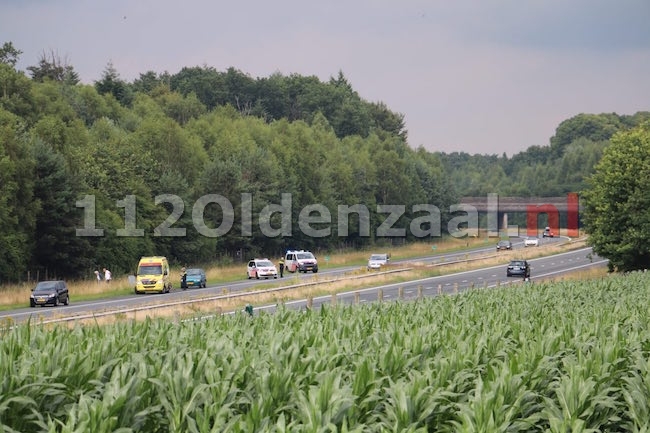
[[257, 277], [56, 301], [31, 304], [67, 300]]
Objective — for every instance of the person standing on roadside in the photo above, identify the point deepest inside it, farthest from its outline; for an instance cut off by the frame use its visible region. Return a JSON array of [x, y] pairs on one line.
[[183, 278], [107, 275], [281, 263], [99, 277]]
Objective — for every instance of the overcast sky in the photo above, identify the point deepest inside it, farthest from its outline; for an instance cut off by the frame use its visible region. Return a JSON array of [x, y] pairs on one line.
[[479, 76]]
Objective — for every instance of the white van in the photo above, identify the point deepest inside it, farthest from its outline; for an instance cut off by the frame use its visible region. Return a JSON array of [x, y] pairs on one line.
[[300, 261]]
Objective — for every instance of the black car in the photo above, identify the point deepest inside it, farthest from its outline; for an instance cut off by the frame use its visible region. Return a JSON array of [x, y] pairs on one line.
[[49, 293], [518, 268], [504, 245]]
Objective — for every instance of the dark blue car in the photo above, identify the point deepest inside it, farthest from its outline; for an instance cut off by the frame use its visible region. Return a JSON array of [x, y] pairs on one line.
[[194, 277]]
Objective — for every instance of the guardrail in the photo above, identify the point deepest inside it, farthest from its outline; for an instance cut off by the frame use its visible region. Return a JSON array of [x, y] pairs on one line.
[[135, 310], [229, 296]]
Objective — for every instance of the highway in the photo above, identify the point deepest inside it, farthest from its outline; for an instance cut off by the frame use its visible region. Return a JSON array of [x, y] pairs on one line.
[[486, 277], [489, 277]]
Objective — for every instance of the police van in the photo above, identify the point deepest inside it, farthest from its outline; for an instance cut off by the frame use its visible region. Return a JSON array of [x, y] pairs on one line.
[[300, 261]]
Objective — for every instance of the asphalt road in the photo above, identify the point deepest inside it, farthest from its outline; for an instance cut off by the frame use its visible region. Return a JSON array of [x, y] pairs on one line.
[[554, 265], [545, 267]]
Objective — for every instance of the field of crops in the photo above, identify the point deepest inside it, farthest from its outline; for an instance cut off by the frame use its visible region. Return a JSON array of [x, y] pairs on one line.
[[556, 357]]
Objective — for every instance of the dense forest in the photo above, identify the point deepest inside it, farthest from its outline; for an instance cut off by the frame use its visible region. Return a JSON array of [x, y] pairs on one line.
[[95, 175]]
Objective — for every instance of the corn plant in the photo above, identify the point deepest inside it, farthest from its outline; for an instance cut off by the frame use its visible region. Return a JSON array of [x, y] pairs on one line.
[[550, 357]]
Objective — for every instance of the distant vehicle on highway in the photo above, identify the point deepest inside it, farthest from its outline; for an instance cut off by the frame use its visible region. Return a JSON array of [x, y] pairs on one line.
[[376, 261], [548, 233], [531, 241], [518, 268], [504, 245]]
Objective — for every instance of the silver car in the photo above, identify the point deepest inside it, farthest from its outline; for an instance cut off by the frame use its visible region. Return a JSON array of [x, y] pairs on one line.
[[376, 261]]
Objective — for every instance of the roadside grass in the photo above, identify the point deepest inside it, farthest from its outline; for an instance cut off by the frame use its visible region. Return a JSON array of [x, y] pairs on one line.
[[16, 296], [330, 286]]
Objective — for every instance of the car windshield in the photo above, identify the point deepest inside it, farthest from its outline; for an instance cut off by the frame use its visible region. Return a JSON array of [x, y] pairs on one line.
[[378, 257], [517, 263], [305, 256], [504, 242], [45, 286], [264, 263], [150, 270], [194, 272]]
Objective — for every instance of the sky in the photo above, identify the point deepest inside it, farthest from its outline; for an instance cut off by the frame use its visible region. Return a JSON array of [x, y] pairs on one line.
[[475, 76]]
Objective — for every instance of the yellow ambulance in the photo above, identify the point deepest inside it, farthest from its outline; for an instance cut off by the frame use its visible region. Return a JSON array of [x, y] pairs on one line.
[[153, 275]]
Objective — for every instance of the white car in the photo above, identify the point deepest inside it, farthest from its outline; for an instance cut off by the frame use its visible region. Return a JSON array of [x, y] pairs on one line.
[[261, 268], [376, 261], [531, 241]]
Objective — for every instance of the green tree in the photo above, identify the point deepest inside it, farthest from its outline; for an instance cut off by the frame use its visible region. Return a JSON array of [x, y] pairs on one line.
[[274, 97], [16, 92], [617, 200], [9, 55], [16, 208], [205, 82], [386, 120], [87, 104], [149, 81], [178, 107], [595, 127], [53, 68], [58, 251], [112, 83]]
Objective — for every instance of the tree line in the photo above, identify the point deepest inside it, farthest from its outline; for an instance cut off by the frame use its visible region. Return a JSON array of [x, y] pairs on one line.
[[201, 132]]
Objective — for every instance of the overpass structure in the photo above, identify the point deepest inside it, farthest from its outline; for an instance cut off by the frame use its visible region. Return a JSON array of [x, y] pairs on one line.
[[497, 208]]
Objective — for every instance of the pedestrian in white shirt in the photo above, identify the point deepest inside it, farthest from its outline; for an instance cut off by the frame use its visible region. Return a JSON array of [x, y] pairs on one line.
[[107, 275]]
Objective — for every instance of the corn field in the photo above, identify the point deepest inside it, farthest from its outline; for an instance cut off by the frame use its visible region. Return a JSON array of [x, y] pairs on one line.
[[548, 357]]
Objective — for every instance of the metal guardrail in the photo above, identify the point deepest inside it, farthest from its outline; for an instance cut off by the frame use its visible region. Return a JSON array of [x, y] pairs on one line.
[[135, 310], [228, 296]]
